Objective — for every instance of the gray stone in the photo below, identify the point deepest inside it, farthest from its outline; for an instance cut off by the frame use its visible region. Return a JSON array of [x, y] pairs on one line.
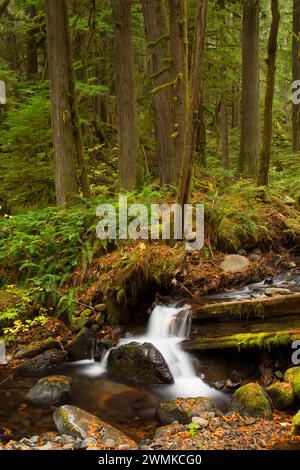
[[201, 422], [110, 444], [183, 410], [50, 390], [80, 424], [234, 264], [272, 291], [47, 360]]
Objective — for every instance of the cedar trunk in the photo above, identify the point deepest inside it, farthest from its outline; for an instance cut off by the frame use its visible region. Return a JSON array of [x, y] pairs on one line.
[[250, 124], [179, 75], [263, 173], [126, 106], [70, 169], [194, 103], [156, 29]]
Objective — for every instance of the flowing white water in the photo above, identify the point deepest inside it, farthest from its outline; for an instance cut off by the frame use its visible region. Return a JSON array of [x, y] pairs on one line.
[[168, 327]]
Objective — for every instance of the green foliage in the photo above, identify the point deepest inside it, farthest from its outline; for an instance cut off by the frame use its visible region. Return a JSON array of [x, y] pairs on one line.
[[24, 326], [193, 428]]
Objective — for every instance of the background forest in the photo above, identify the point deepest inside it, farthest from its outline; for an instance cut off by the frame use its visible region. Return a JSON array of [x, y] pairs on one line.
[[162, 99]]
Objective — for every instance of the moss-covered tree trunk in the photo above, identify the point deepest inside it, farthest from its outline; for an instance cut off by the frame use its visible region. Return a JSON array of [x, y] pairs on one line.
[[32, 46], [70, 169], [156, 32], [250, 121], [179, 75], [126, 103], [194, 103], [263, 172]]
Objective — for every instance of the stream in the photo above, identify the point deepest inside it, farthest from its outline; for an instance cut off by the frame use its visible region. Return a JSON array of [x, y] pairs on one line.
[[132, 408]]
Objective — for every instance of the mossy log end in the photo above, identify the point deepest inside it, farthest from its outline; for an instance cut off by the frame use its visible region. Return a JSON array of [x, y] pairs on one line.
[[250, 309], [263, 340]]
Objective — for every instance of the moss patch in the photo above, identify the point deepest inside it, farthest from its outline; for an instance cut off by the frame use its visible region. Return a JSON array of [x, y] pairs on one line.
[[292, 376], [296, 424], [251, 400], [281, 395]]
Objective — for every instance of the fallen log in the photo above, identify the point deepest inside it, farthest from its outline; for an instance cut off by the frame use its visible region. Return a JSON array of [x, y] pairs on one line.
[[263, 307]]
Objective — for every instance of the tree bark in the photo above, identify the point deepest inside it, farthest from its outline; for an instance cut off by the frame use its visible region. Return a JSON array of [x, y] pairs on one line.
[[70, 169], [235, 106], [4, 6], [296, 73], [224, 131], [250, 125], [263, 173], [126, 105], [194, 102], [179, 75], [156, 32], [32, 47]]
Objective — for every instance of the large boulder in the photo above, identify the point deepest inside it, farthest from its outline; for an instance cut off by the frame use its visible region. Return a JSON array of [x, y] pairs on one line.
[[281, 395], [234, 264], [47, 360], [292, 376], [78, 423], [296, 424], [139, 363], [82, 346], [50, 390], [251, 400], [183, 410]]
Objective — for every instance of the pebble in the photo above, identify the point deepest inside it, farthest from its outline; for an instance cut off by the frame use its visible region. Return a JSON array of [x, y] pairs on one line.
[[65, 439], [123, 447], [68, 447], [80, 444], [47, 446], [110, 443], [203, 423], [35, 439]]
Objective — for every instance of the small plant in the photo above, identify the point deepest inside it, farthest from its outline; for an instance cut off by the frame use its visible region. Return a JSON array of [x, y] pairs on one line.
[[193, 428]]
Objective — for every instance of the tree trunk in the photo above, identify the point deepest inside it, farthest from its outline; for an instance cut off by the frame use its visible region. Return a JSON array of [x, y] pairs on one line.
[[263, 173], [156, 30], [194, 102], [224, 131], [235, 106], [179, 75], [70, 170], [201, 136], [296, 73], [126, 106], [250, 125], [4, 6], [32, 47]]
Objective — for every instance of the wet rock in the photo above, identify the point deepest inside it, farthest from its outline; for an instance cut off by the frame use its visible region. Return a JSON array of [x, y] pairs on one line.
[[33, 350], [281, 395], [251, 400], [296, 424], [272, 291], [80, 424], [139, 363], [82, 346], [102, 346], [50, 390], [242, 252], [234, 264], [110, 444], [183, 410], [47, 360], [47, 446], [292, 376]]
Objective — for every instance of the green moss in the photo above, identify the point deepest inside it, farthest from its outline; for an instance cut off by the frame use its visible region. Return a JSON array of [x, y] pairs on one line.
[[251, 400], [283, 339], [281, 395], [296, 424], [292, 376], [116, 314]]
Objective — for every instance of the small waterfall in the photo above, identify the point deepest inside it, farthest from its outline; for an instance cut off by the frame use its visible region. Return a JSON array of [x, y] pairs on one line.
[[168, 327]]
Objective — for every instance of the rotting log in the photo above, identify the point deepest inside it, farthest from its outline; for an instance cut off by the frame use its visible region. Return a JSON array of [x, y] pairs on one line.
[[265, 307]]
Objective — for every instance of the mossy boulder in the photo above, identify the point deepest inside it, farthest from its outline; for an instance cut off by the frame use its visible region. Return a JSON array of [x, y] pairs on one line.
[[251, 400], [281, 395], [183, 410], [76, 324], [82, 346], [292, 376], [296, 424], [139, 363], [116, 314], [78, 423], [50, 390]]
